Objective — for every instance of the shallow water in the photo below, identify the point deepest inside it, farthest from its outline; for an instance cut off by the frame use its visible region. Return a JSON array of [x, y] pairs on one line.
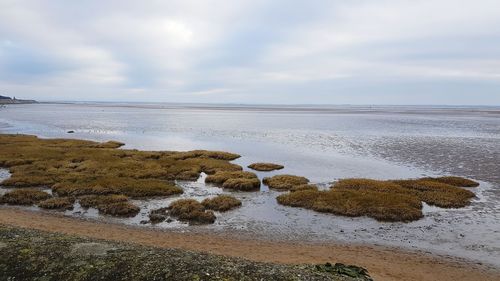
[[321, 143]]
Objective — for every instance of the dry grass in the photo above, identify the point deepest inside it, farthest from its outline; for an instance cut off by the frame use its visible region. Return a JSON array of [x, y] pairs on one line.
[[131, 187], [242, 184], [265, 167], [221, 203], [353, 203], [284, 182], [455, 181], [61, 203], [237, 180], [397, 200], [96, 200], [303, 187], [119, 209], [192, 211], [437, 193], [24, 197], [78, 167], [220, 177]]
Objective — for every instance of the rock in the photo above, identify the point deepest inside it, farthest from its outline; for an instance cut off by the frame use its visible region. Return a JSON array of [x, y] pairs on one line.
[[348, 270], [70, 132]]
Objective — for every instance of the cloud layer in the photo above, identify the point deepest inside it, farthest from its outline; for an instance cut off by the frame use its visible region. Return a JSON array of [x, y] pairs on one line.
[[315, 52]]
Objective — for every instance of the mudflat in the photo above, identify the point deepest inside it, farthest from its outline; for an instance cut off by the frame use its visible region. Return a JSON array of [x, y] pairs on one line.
[[383, 263]]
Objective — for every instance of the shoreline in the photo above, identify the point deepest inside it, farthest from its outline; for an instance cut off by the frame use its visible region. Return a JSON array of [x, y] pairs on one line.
[[382, 262]]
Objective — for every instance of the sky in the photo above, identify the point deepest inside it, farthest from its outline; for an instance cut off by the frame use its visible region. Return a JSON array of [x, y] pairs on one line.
[[444, 52]]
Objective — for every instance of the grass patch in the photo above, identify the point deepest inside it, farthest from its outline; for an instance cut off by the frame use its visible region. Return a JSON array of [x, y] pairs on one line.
[[396, 200], [130, 187], [221, 203], [114, 205], [303, 187], [74, 167], [24, 197], [284, 182], [455, 181], [265, 167], [191, 211], [378, 205], [96, 200], [61, 203], [242, 184], [237, 180], [119, 209], [220, 177]]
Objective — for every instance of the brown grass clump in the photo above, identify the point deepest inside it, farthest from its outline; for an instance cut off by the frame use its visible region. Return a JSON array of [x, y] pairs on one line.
[[96, 200], [455, 181], [378, 205], [284, 182], [61, 203], [396, 200], [242, 184], [110, 185], [114, 205], [303, 187], [119, 209], [222, 176], [192, 211], [237, 180], [77, 167], [437, 193], [265, 167], [221, 203], [24, 197]]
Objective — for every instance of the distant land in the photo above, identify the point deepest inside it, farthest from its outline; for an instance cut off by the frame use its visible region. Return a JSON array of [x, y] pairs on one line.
[[9, 100]]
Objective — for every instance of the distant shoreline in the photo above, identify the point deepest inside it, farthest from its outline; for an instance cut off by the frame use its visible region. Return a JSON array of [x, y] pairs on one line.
[[9, 100]]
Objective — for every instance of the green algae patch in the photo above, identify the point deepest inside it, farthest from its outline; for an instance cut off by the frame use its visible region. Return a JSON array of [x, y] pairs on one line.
[[221, 203], [191, 211], [73, 168], [284, 182], [265, 167], [26, 196], [58, 203], [36, 255], [394, 200]]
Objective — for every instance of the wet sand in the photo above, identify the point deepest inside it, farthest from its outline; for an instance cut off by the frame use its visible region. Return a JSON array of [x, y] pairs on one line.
[[383, 263]]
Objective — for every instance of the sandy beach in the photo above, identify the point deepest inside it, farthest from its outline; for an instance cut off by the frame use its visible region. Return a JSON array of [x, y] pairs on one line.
[[383, 263]]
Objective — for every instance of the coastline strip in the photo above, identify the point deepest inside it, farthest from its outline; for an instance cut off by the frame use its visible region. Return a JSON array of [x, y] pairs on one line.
[[383, 263]]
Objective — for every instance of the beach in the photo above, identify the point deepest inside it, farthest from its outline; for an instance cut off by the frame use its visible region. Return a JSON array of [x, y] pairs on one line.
[[324, 144]]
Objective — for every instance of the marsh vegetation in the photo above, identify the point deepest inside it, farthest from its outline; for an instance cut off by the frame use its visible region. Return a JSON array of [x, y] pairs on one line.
[[79, 169], [396, 200], [284, 182], [265, 167]]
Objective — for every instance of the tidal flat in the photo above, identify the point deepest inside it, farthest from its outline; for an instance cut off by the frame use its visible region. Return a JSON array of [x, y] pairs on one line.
[[321, 144]]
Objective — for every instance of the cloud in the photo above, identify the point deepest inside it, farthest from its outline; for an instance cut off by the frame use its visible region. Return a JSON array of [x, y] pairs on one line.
[[252, 51]]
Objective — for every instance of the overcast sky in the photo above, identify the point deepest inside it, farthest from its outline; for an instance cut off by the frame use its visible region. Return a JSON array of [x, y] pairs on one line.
[[313, 52]]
